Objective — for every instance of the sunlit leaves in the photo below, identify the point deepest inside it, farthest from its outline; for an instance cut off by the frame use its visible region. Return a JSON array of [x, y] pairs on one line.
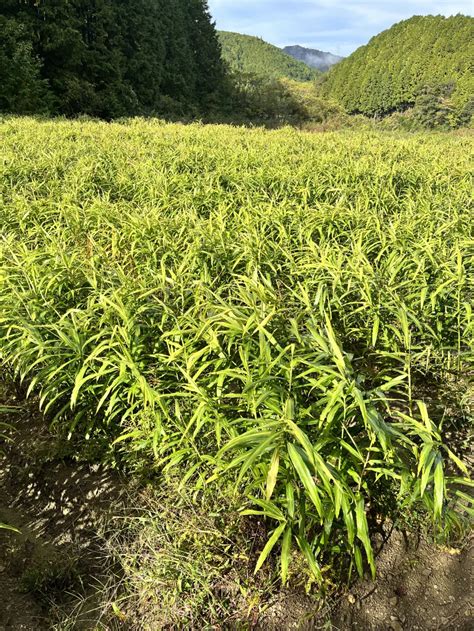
[[236, 330]]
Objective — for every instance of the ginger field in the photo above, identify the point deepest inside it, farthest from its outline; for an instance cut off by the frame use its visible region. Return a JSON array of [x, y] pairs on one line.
[[282, 310]]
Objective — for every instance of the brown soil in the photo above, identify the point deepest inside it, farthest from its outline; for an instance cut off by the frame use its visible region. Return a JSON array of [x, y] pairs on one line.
[[52, 569], [419, 586]]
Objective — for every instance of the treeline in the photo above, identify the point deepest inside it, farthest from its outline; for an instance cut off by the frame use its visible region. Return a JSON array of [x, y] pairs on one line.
[[119, 58], [424, 62], [109, 58]]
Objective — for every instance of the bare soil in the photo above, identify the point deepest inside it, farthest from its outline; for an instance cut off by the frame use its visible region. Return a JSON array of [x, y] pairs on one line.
[[52, 569], [419, 586]]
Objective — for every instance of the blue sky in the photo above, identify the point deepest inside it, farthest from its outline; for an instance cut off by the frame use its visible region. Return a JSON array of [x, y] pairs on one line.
[[338, 26]]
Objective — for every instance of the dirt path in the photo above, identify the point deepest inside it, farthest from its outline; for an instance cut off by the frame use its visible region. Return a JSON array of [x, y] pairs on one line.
[[52, 564], [19, 610]]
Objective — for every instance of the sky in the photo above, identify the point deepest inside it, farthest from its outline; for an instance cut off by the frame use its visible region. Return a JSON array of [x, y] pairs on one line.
[[337, 26]]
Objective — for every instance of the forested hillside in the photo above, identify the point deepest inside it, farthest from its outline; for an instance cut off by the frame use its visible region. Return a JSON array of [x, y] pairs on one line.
[[107, 58], [252, 55], [427, 59]]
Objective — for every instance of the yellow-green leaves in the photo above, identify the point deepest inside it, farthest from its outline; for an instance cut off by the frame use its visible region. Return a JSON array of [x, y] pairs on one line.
[[334, 345], [363, 533], [8, 527], [305, 477], [285, 554], [425, 463], [272, 473], [269, 546], [310, 558], [438, 479], [193, 309]]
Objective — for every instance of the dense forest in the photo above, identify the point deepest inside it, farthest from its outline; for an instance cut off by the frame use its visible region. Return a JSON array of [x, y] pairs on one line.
[[424, 61], [248, 54], [109, 59]]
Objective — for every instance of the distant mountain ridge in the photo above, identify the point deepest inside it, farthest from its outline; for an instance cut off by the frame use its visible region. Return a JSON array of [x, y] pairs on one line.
[[249, 54], [312, 57]]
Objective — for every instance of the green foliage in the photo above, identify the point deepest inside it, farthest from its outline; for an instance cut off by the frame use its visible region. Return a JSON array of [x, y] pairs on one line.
[[267, 306], [280, 101], [22, 89], [395, 67], [432, 107], [262, 99], [309, 105], [109, 59], [250, 55]]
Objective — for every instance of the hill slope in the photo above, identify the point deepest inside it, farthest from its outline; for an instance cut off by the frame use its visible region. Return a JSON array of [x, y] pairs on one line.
[[312, 57], [248, 54], [395, 66]]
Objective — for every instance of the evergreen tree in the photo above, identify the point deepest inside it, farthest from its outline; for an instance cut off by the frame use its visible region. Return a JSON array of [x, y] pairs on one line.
[[206, 50], [22, 89], [143, 49], [109, 58], [433, 107], [179, 74]]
